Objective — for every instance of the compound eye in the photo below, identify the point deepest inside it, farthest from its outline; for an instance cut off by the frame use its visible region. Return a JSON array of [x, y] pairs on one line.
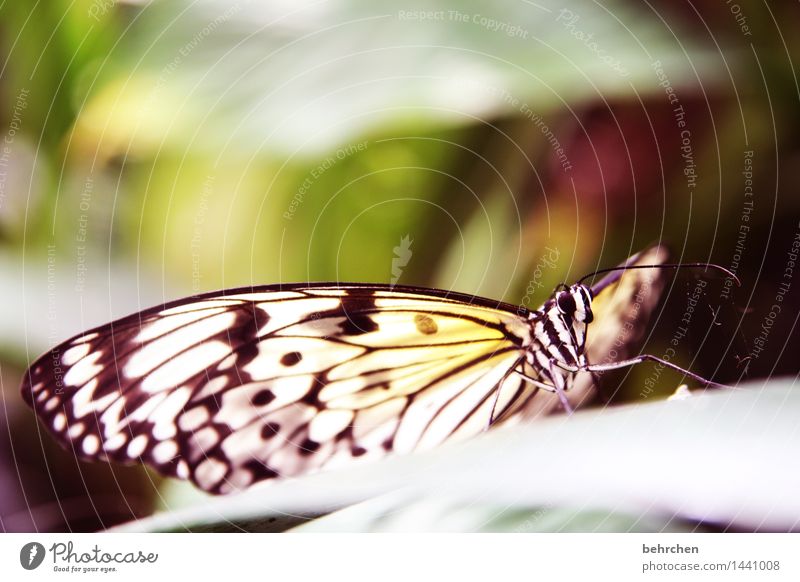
[[565, 303]]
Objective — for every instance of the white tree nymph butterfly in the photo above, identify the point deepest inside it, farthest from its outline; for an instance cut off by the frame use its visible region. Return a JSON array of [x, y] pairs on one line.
[[234, 387]]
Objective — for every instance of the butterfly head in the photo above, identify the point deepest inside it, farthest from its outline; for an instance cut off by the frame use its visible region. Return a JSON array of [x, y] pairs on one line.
[[575, 303]]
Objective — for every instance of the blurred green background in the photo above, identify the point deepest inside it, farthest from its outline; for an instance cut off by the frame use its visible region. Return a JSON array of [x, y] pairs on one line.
[[152, 150]]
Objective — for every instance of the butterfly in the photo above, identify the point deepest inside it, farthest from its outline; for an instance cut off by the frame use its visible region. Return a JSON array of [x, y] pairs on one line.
[[231, 388]]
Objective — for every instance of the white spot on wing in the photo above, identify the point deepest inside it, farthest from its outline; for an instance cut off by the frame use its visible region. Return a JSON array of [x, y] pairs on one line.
[[91, 444], [169, 323], [111, 419], [146, 408], [184, 366], [210, 472], [59, 421], [163, 417], [169, 346], [83, 401], [182, 470], [75, 353], [211, 387], [137, 446], [328, 423], [83, 371], [203, 440], [116, 442], [289, 389], [165, 451], [294, 311], [76, 430], [193, 418], [240, 478], [228, 362]]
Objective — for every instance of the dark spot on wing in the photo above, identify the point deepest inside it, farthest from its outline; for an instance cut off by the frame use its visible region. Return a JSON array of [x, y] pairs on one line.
[[269, 430], [291, 358], [261, 470], [360, 302], [356, 307], [308, 447], [243, 335], [360, 292], [263, 397], [358, 451], [358, 324], [312, 396]]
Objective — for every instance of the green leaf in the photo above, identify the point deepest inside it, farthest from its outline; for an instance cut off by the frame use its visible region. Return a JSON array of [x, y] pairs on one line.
[[726, 458], [304, 78]]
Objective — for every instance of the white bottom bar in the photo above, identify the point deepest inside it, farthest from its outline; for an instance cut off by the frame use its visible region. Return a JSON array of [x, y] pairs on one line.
[[402, 557]]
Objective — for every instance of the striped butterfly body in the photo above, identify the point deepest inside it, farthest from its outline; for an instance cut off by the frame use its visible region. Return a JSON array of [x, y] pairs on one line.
[[233, 388]]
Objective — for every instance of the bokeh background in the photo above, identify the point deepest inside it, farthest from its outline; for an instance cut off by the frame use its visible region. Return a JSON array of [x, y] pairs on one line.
[[152, 150]]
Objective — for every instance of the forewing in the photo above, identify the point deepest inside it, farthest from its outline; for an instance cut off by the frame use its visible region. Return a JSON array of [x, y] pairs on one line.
[[233, 388]]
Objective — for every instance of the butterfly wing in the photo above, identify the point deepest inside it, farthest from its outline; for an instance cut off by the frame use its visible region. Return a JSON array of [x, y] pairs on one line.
[[230, 389]]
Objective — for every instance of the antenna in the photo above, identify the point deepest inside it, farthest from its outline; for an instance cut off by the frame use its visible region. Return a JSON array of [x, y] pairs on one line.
[[666, 266]]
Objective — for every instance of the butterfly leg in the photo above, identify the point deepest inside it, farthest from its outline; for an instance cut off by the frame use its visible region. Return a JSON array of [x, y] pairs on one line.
[[558, 382], [493, 415], [645, 358], [598, 387], [559, 390]]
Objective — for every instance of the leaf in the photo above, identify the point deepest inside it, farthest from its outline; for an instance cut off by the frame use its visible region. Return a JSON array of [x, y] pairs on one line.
[[396, 514], [306, 77], [726, 458]]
